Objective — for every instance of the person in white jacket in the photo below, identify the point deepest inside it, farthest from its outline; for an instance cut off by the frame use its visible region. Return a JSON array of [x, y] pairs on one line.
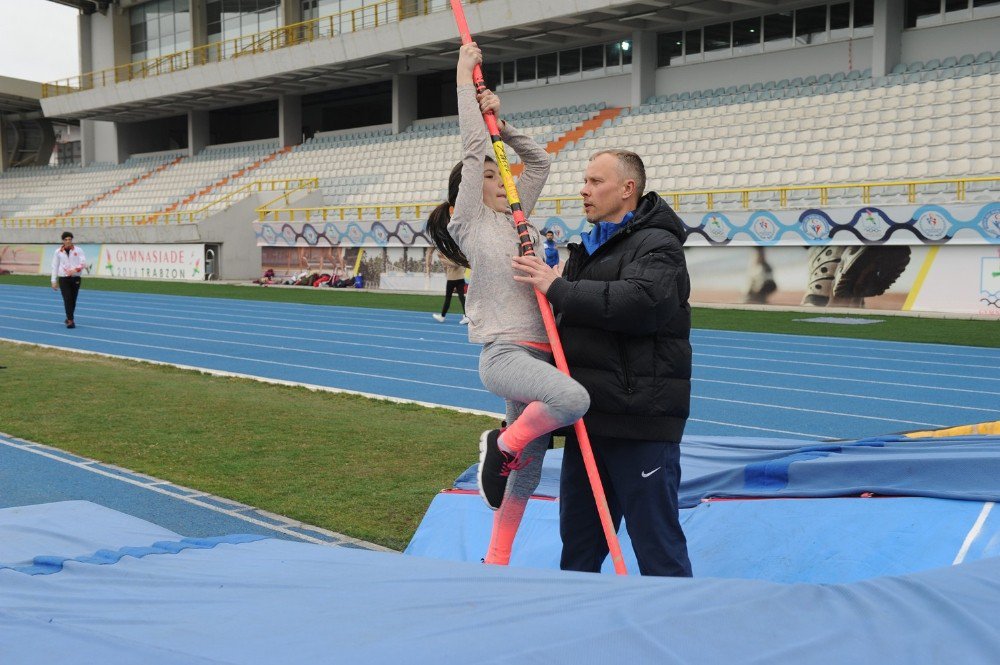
[[67, 265]]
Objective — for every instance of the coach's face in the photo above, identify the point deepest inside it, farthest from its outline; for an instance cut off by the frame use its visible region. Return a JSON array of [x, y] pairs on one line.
[[605, 192]]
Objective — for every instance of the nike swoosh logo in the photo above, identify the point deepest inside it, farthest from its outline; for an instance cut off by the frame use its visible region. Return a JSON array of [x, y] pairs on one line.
[[647, 474]]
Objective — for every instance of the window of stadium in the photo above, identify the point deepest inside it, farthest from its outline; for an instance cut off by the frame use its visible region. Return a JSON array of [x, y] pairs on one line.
[[778, 30], [617, 54], [840, 21], [548, 66], [746, 36], [508, 73], [312, 9], [717, 41], [810, 25], [864, 18], [229, 19], [592, 57], [159, 28], [569, 62], [525, 69], [669, 48], [569, 65], [920, 13], [818, 24], [692, 43], [923, 12]]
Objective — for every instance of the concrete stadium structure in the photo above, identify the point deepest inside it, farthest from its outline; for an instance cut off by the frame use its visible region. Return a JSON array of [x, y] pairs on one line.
[[292, 87]]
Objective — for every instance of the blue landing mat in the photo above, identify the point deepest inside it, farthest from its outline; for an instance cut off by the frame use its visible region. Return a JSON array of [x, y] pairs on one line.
[[274, 601], [793, 521], [780, 540]]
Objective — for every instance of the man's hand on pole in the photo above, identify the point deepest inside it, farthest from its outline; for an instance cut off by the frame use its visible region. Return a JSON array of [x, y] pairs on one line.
[[532, 270]]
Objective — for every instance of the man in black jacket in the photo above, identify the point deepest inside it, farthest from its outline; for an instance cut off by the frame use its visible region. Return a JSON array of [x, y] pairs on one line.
[[625, 322]]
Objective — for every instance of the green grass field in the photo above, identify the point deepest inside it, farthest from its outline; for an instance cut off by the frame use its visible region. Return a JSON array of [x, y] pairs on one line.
[[365, 468]]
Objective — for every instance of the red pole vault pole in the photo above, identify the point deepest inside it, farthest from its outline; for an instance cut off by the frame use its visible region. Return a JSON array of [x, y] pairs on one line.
[[527, 249]]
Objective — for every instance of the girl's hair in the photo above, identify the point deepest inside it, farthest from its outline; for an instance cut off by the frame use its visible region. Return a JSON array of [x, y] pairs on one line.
[[437, 221]]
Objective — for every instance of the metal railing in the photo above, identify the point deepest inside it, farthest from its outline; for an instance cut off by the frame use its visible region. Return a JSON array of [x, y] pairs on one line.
[[677, 200], [325, 27], [270, 212], [287, 187]]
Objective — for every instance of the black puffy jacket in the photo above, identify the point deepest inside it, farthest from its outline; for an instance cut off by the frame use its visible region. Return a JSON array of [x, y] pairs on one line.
[[625, 324]]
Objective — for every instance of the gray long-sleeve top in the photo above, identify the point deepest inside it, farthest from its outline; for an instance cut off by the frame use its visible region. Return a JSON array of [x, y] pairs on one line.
[[499, 308]]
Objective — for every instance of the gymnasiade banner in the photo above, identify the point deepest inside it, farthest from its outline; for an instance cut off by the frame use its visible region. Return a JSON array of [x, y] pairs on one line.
[[162, 262]]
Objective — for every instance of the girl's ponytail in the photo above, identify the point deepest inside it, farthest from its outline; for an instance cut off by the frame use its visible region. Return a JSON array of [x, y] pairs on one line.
[[437, 222]]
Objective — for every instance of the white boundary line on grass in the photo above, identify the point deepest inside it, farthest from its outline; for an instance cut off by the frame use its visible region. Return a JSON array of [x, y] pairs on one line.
[[253, 377], [281, 524]]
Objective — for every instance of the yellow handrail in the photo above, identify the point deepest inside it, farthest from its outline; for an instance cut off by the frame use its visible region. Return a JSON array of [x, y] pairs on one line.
[[352, 20], [395, 210]]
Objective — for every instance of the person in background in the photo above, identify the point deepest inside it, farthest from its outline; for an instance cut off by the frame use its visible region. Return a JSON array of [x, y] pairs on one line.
[[455, 276], [625, 323], [68, 264], [551, 251]]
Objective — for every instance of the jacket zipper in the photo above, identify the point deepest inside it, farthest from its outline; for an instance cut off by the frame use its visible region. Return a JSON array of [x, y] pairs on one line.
[[625, 368]]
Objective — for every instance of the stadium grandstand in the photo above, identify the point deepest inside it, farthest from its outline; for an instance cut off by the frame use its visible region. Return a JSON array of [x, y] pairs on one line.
[[265, 131]]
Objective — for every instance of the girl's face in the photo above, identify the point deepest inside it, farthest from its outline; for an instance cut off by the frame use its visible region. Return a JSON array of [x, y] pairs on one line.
[[494, 195]]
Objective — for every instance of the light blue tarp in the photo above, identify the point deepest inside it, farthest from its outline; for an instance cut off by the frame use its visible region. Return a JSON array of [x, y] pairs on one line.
[[961, 467], [781, 540], [935, 507], [273, 601], [82, 583]]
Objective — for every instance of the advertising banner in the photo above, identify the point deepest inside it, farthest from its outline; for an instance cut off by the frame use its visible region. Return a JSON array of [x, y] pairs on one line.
[[961, 223], [163, 262]]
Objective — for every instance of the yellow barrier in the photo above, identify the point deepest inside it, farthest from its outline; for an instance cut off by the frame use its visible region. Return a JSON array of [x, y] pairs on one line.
[[397, 211], [676, 199], [288, 186], [353, 20]]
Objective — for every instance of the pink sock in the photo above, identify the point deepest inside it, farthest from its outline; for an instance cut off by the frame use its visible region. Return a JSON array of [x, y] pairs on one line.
[[505, 524], [533, 422]]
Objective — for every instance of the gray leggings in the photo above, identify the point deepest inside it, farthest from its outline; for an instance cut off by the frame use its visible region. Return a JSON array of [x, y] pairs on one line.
[[523, 375]]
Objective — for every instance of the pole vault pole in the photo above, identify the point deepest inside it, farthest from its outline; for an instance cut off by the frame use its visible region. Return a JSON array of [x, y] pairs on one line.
[[527, 249]]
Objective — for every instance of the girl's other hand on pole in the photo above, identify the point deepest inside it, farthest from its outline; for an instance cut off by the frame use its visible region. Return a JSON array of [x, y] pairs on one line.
[[488, 101]]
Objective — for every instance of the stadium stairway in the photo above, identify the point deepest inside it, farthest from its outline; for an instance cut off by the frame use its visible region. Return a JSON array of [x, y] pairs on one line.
[[203, 197], [120, 188], [603, 118]]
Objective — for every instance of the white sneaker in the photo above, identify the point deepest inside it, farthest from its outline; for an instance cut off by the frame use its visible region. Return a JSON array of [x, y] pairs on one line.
[[438, 317], [464, 321]]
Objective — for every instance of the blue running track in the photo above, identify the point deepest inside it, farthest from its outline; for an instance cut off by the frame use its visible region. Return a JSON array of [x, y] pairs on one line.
[[744, 383]]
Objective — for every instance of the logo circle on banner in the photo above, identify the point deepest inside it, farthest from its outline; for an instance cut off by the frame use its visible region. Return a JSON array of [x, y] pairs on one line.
[[765, 229], [716, 228], [932, 225], [991, 224], [816, 227]]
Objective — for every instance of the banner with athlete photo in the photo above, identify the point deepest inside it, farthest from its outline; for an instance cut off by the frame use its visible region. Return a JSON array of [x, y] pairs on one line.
[[947, 278]]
